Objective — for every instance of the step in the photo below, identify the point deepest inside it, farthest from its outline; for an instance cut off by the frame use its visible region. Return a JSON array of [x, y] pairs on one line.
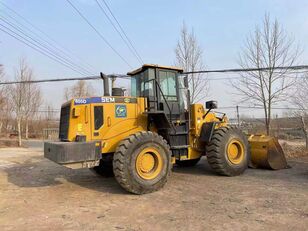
[[178, 133], [180, 147], [182, 121]]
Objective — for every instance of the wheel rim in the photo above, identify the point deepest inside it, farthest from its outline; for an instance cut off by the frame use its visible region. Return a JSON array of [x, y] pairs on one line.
[[235, 151], [149, 163]]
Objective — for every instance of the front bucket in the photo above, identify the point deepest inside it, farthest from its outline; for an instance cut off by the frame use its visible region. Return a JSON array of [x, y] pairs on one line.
[[266, 152]]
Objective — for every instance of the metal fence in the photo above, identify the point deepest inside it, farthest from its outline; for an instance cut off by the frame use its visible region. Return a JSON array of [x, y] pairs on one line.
[[50, 133]]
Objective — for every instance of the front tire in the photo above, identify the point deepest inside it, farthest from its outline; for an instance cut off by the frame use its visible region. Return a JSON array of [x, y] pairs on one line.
[[142, 163], [228, 152]]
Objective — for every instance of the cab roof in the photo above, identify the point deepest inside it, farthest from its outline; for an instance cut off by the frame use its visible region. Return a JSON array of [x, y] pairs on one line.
[[145, 66]]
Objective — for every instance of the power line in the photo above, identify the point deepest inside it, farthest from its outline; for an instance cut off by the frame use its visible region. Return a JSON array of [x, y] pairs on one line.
[[52, 80], [54, 110], [58, 46], [300, 67], [124, 40], [275, 108], [257, 107], [97, 32], [224, 107], [239, 77], [122, 76], [38, 48], [35, 47], [127, 41], [63, 79], [42, 46], [40, 111]]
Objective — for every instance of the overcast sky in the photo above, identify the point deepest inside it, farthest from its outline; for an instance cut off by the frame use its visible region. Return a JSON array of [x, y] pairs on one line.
[[153, 27]]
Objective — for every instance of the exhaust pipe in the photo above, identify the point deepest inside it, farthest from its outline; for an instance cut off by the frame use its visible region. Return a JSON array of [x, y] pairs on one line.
[[106, 84]]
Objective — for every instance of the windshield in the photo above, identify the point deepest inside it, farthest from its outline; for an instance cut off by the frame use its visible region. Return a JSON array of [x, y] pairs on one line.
[[142, 83]]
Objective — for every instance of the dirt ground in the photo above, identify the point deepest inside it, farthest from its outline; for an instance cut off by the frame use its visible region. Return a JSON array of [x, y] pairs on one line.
[[36, 194]]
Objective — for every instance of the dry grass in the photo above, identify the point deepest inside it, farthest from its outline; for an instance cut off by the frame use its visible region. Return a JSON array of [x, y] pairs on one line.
[[292, 151], [5, 143]]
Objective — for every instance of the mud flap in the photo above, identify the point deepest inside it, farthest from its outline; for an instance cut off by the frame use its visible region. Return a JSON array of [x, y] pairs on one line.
[[73, 154], [266, 152]]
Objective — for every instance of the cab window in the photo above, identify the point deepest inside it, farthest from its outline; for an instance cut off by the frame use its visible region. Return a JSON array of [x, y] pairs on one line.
[[167, 82], [141, 84]]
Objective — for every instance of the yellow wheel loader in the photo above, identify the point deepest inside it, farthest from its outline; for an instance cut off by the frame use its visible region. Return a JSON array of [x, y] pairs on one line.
[[138, 138]]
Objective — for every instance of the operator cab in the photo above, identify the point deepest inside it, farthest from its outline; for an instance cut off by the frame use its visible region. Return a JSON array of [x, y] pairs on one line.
[[166, 90], [164, 87]]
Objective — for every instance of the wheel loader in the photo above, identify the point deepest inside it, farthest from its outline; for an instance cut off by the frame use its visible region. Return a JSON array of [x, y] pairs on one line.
[[138, 138]]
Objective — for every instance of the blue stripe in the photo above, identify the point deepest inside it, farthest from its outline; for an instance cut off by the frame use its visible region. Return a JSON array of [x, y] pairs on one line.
[[81, 101]]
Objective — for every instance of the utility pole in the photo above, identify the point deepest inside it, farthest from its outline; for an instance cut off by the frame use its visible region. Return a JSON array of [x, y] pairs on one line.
[[238, 116]]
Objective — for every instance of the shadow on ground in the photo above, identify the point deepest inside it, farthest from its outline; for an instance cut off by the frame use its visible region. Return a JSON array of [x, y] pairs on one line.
[[201, 168], [39, 172]]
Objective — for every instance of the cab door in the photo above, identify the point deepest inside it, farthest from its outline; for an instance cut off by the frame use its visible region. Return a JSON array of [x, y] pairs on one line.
[[168, 93]]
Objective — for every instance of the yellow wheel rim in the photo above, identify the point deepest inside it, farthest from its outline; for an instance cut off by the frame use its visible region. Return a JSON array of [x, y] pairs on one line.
[[149, 163], [235, 151]]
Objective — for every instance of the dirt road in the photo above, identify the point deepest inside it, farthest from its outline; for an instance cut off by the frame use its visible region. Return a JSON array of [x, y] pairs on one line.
[[36, 194]]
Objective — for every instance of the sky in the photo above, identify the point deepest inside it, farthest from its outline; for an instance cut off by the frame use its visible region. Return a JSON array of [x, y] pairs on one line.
[[153, 27]]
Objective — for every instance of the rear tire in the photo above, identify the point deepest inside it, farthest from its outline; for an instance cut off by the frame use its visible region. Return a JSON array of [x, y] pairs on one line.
[[142, 163], [228, 152], [187, 163]]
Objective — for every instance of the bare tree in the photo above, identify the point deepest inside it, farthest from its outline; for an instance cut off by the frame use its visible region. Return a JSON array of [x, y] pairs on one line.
[[189, 56], [80, 89], [5, 107], [1, 88], [300, 98], [2, 99], [34, 96], [25, 98], [5, 113], [267, 47], [305, 128]]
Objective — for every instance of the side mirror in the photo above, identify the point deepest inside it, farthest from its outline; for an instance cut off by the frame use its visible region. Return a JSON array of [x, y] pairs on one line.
[[211, 104]]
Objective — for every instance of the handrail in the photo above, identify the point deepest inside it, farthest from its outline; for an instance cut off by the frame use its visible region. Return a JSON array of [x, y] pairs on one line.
[[164, 98], [156, 97], [170, 119]]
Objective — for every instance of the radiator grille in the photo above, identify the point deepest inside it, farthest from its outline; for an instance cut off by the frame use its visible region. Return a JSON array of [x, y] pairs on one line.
[[64, 122]]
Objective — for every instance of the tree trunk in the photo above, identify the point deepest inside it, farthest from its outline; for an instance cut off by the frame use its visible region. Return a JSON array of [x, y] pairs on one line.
[[266, 119], [268, 125], [305, 130], [269, 118], [19, 131], [27, 129], [306, 139]]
